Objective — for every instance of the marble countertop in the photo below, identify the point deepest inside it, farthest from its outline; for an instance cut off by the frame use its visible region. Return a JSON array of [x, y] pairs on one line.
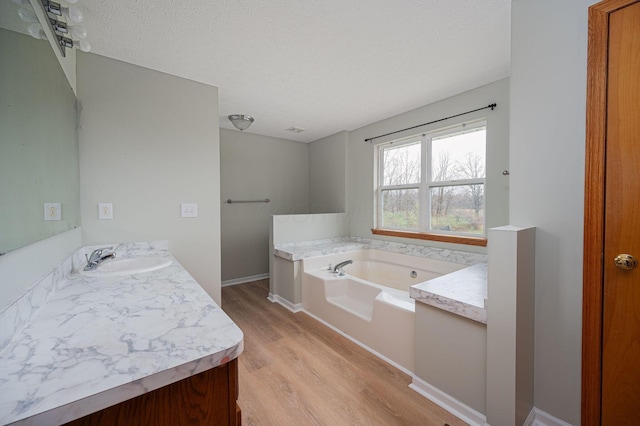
[[100, 341], [463, 292]]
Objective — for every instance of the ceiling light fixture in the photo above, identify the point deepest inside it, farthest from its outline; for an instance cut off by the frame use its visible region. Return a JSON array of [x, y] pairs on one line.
[[241, 121]]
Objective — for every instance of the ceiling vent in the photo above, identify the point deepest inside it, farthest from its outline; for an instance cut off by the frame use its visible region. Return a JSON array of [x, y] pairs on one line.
[[295, 130]]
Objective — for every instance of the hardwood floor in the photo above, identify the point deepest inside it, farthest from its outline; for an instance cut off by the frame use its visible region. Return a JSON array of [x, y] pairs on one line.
[[296, 371]]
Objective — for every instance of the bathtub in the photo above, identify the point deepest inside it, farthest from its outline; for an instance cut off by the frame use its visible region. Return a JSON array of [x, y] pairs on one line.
[[371, 303]]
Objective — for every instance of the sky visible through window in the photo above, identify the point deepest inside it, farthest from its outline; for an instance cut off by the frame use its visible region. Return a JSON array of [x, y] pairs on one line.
[[466, 150]]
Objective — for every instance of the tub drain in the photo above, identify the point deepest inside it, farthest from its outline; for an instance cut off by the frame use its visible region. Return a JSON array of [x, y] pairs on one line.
[[414, 274]]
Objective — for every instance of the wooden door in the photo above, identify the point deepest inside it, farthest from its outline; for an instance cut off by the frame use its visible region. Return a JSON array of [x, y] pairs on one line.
[[611, 314], [621, 322]]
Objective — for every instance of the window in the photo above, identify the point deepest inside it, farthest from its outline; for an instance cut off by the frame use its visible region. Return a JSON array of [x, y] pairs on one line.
[[434, 183]]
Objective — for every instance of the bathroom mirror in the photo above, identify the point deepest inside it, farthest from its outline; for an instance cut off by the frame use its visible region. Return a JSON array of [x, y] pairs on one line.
[[38, 136]]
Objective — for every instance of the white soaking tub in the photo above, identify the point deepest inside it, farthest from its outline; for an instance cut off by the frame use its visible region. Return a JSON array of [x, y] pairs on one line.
[[371, 302]]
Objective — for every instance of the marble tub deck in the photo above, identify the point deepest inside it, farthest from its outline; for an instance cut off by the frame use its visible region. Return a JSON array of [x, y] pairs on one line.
[[463, 292], [100, 341], [305, 249]]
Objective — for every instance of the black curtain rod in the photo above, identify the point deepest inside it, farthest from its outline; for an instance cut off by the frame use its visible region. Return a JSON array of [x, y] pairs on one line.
[[492, 106]]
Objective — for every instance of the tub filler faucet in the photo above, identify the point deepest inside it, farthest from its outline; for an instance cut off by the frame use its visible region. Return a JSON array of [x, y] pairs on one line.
[[338, 268]]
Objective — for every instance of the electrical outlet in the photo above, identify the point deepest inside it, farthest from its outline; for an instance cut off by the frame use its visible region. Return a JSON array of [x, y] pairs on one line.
[[188, 210], [52, 211], [105, 211]]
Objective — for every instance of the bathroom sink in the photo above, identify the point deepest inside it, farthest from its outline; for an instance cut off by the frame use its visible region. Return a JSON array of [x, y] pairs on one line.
[[128, 266]]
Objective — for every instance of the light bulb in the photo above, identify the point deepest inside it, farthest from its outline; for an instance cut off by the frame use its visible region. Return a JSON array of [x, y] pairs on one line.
[[83, 45], [73, 14], [36, 31], [78, 31]]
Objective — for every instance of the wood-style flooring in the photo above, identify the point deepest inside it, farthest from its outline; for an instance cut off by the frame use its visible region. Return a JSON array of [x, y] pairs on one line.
[[296, 371]]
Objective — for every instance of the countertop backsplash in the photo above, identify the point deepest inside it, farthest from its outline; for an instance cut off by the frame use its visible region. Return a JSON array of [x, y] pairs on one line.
[[22, 310]]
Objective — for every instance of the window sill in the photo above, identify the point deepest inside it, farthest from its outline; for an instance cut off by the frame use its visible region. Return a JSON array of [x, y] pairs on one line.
[[470, 241]]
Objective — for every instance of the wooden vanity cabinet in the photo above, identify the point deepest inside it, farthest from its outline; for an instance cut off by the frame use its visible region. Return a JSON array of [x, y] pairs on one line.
[[207, 398]]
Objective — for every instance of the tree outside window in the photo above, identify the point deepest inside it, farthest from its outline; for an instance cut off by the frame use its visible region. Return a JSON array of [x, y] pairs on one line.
[[442, 173]]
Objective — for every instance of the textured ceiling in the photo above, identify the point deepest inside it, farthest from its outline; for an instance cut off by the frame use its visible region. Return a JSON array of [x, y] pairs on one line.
[[321, 65]]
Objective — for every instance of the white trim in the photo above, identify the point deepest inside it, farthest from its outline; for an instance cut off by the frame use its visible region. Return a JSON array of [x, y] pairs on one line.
[[449, 403], [530, 418], [244, 280], [457, 182], [293, 307], [538, 417]]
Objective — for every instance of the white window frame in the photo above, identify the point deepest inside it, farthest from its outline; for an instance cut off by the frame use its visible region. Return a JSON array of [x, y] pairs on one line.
[[426, 183]]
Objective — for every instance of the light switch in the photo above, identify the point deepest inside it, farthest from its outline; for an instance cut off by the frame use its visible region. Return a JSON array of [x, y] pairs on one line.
[[188, 210], [105, 211], [52, 211]]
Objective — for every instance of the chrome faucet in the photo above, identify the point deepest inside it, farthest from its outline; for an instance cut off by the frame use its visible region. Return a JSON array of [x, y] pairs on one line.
[[97, 257], [338, 268]]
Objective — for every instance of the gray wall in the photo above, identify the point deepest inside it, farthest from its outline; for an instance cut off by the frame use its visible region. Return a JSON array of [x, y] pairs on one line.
[[548, 86], [149, 142], [327, 174], [256, 167], [360, 167]]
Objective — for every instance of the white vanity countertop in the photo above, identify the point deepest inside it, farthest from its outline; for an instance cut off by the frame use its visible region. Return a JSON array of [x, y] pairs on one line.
[[100, 341], [462, 292]]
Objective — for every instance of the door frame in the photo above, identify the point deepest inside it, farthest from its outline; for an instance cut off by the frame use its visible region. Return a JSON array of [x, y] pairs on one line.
[[594, 208]]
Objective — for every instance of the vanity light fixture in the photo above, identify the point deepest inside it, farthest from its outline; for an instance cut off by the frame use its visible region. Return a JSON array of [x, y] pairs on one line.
[[77, 31], [71, 13], [64, 23], [83, 45], [241, 121]]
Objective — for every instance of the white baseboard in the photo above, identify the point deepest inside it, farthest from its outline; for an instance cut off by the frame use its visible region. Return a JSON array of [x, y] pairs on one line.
[[538, 417], [530, 418], [449, 403], [293, 307], [244, 280]]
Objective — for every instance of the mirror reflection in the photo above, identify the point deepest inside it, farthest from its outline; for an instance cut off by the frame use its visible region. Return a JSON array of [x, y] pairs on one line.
[[38, 136]]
